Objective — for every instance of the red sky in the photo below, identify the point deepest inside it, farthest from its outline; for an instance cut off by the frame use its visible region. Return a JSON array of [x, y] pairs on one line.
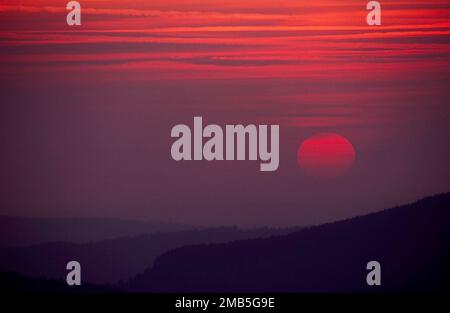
[[92, 105]]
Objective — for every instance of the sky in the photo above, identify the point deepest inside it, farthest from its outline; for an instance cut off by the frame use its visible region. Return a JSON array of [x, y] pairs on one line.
[[86, 111]]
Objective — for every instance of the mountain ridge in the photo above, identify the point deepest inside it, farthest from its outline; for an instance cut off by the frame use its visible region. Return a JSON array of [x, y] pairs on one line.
[[410, 241], [17, 231], [112, 260]]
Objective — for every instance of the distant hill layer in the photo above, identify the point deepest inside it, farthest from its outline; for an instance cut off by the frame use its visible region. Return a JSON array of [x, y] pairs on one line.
[[110, 261], [411, 242], [21, 231]]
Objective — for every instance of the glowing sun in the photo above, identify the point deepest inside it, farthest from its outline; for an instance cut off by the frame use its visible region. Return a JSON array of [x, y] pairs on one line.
[[326, 155]]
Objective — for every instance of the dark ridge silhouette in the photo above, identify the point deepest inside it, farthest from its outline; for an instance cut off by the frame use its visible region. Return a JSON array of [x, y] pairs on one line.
[[22, 231], [411, 242], [11, 283], [110, 261]]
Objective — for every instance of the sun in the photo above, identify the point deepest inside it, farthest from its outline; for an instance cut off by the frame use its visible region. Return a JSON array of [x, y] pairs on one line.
[[326, 155]]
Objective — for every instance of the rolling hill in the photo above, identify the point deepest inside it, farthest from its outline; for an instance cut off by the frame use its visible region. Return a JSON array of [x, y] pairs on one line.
[[411, 242], [23, 231], [110, 261]]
